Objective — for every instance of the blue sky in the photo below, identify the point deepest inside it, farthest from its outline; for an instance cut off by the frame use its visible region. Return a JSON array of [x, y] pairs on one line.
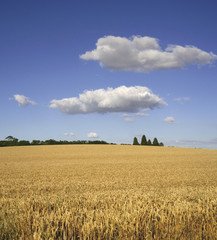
[[140, 67]]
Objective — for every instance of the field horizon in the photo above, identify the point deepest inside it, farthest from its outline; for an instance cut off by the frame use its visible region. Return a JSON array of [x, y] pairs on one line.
[[107, 192]]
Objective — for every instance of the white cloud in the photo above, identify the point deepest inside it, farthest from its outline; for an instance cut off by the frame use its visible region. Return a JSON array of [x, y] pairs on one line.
[[144, 54], [182, 99], [129, 119], [170, 119], [70, 134], [92, 135], [23, 100], [121, 99], [139, 114]]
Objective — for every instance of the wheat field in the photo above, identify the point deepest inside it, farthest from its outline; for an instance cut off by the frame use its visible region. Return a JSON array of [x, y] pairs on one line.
[[107, 192]]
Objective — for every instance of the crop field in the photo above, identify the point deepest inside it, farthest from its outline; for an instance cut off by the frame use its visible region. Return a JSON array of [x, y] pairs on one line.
[[107, 192]]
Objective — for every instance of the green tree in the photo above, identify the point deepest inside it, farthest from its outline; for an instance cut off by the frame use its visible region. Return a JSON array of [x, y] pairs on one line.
[[149, 142], [144, 140], [23, 142], [161, 144], [9, 138], [155, 142], [135, 141], [11, 141], [36, 142], [51, 142]]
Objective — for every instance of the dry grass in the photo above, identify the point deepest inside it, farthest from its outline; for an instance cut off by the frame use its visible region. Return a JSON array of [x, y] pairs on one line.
[[107, 192]]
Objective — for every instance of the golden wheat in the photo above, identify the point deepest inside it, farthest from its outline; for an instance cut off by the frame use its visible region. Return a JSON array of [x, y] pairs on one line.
[[107, 192]]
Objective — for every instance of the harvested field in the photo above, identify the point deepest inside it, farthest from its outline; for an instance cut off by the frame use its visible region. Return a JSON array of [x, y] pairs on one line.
[[107, 192]]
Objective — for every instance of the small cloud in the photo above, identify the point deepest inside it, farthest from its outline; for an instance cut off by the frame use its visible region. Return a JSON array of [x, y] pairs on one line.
[[92, 135], [139, 134], [182, 99], [129, 119], [139, 114], [70, 134], [144, 54], [170, 120], [125, 115], [23, 100]]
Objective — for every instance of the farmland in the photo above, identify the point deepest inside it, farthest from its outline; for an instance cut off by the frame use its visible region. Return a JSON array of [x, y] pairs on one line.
[[107, 192]]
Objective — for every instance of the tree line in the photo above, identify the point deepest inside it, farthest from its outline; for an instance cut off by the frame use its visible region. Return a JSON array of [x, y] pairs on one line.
[[12, 141], [146, 142]]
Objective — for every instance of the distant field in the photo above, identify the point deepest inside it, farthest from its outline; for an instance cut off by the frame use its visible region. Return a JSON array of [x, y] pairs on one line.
[[107, 192]]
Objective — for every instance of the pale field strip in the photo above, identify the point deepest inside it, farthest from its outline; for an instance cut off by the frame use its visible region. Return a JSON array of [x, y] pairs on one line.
[[107, 192]]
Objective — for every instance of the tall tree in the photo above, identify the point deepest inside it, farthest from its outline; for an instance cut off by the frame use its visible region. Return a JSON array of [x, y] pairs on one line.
[[149, 142], [144, 140], [10, 138], [135, 141], [155, 142]]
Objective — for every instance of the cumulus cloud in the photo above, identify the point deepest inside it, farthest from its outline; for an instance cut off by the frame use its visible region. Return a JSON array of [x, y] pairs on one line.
[[92, 135], [23, 100], [170, 120], [144, 54], [121, 99], [70, 134]]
